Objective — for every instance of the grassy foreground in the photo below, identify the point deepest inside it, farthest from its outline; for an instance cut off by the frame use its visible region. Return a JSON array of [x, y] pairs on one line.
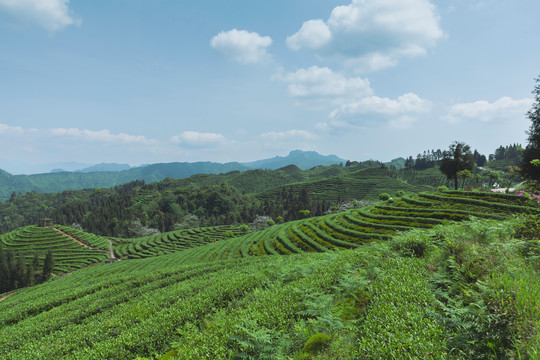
[[456, 291]]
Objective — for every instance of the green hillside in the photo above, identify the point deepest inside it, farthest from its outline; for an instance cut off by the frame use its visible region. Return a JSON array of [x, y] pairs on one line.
[[69, 253], [231, 198], [365, 184], [465, 290]]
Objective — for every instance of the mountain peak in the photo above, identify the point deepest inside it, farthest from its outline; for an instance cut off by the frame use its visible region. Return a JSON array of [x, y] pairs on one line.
[[303, 159]]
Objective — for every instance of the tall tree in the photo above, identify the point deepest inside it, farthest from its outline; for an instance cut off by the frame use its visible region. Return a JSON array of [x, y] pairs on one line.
[[4, 272], [458, 158], [479, 159], [48, 265], [532, 151]]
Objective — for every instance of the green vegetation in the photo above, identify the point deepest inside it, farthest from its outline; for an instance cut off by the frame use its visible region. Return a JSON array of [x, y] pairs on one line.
[[173, 241], [456, 161], [532, 152], [206, 200], [69, 254], [414, 283], [361, 261]]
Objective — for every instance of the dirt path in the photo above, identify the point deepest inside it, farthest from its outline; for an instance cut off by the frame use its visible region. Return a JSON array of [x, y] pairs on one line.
[[511, 190], [111, 252], [5, 296], [72, 238]]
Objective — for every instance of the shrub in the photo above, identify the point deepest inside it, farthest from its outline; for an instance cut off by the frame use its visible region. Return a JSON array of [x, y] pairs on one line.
[[413, 243], [400, 193], [317, 343], [442, 188], [528, 229], [384, 196]]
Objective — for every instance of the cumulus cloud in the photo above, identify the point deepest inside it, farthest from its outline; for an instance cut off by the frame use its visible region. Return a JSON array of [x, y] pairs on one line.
[[375, 111], [294, 134], [313, 34], [241, 45], [404, 104], [50, 14], [502, 109], [323, 82], [194, 139], [372, 34]]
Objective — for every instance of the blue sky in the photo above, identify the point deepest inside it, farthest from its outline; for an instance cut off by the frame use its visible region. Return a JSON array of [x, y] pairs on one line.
[[133, 81]]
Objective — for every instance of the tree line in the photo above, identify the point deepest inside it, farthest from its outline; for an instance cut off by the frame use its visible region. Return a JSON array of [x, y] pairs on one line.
[[16, 272], [432, 158]]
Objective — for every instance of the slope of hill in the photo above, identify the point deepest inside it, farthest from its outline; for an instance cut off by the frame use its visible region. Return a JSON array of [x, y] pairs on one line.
[[463, 290]]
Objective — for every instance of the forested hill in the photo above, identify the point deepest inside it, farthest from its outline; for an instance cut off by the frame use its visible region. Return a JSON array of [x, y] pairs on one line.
[[60, 181], [95, 177], [205, 200]]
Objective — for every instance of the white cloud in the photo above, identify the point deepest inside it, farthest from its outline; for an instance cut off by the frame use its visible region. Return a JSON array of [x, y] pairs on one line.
[[241, 45], [104, 136], [335, 126], [194, 139], [372, 34], [50, 14], [312, 35], [404, 104], [100, 136], [10, 130], [297, 135], [323, 82], [502, 109]]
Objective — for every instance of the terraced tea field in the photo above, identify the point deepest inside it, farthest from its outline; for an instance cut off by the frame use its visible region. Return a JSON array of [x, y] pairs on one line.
[[360, 185], [357, 227], [173, 241], [69, 253], [346, 230], [73, 249], [228, 299]]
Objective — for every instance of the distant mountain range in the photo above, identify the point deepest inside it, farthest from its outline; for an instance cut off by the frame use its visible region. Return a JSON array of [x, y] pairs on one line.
[[108, 175]]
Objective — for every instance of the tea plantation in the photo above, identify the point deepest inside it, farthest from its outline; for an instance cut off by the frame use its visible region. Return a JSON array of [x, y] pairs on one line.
[[448, 275], [68, 253]]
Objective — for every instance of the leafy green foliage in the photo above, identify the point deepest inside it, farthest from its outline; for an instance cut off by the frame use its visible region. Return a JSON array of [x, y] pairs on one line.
[[316, 343], [456, 290], [532, 151], [458, 158]]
